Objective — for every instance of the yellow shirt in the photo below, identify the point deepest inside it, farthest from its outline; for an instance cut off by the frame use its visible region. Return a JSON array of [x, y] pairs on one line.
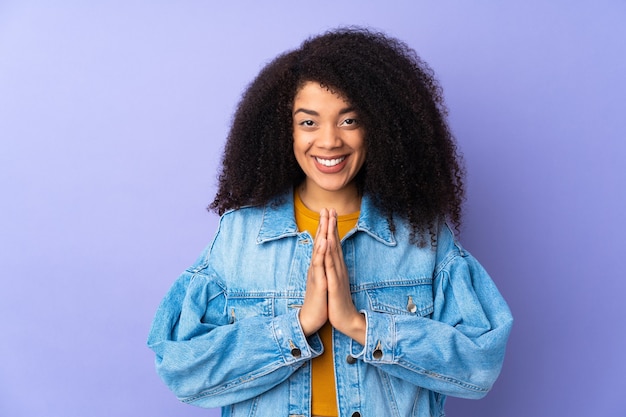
[[323, 391]]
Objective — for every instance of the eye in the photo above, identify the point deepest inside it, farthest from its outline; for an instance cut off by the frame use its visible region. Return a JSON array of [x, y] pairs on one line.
[[352, 122], [307, 123]]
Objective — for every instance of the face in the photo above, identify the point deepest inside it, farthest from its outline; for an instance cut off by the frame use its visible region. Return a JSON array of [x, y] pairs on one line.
[[328, 140]]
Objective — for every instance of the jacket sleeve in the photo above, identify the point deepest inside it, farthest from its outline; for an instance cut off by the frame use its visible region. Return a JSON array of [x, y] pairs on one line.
[[209, 361], [459, 350]]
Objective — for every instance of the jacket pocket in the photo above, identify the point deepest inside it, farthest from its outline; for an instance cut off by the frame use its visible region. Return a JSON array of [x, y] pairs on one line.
[[407, 298], [241, 307]]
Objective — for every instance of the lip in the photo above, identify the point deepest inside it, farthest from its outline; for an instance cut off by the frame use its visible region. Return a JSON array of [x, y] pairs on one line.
[[332, 169]]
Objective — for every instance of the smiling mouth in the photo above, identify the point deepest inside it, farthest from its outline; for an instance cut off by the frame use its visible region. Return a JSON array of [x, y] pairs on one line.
[[330, 162]]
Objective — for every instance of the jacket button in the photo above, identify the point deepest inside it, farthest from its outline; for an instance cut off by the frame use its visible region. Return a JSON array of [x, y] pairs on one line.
[[296, 353], [377, 354], [350, 359], [356, 414]]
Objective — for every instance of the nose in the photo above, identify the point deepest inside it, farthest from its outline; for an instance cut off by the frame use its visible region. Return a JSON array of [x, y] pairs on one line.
[[329, 137]]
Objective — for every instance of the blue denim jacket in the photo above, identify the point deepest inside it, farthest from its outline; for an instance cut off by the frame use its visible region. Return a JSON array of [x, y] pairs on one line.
[[227, 333]]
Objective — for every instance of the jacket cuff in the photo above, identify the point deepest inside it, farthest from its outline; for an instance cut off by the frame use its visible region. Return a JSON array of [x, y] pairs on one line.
[[293, 345], [379, 338]]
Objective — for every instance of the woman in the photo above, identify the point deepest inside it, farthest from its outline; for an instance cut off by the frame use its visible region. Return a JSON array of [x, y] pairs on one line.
[[334, 286]]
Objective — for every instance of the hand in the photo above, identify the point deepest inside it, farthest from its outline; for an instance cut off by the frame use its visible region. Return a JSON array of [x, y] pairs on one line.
[[327, 294], [342, 312], [314, 312]]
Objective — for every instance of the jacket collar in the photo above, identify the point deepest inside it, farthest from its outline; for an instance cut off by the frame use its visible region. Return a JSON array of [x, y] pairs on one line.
[[279, 221]]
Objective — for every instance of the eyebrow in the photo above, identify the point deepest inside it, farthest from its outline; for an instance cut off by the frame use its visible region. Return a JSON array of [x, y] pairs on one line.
[[314, 113]]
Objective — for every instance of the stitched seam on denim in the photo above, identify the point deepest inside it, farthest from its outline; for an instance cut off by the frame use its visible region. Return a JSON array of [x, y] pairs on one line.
[[394, 283], [389, 392], [209, 280], [263, 294], [445, 378], [234, 383], [422, 312], [450, 257], [376, 305]]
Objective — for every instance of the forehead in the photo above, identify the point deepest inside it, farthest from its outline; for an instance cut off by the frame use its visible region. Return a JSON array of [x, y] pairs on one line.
[[315, 90]]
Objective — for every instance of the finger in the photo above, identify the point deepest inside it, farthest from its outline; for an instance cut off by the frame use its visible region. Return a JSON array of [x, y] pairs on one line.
[[320, 248], [332, 214], [314, 311], [330, 231], [334, 242], [332, 225], [320, 243], [336, 272], [322, 229]]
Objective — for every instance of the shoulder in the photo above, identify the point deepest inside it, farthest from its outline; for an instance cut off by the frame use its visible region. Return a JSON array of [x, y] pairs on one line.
[[259, 223], [249, 213], [242, 215]]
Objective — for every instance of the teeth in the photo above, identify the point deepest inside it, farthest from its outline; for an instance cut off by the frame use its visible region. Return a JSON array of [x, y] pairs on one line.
[[330, 162]]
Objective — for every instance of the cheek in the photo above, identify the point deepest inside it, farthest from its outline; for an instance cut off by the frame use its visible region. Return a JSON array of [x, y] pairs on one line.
[[299, 149], [301, 143], [359, 146]]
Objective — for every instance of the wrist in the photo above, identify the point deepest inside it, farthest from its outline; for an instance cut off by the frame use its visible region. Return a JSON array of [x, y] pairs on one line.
[[356, 328], [309, 327]]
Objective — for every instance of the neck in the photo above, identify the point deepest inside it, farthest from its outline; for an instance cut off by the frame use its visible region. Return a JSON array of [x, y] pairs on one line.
[[344, 201]]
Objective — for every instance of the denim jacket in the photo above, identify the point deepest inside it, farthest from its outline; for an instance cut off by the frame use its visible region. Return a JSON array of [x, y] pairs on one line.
[[227, 333]]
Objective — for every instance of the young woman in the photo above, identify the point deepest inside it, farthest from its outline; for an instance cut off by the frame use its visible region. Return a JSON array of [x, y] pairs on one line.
[[334, 285]]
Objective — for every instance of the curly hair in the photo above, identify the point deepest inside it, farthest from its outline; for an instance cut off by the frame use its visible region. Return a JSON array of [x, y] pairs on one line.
[[412, 168]]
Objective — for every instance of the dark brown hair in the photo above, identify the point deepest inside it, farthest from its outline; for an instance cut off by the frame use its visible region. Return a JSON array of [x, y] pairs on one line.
[[412, 168]]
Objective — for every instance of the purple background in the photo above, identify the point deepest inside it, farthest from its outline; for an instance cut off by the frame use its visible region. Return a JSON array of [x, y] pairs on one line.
[[112, 117]]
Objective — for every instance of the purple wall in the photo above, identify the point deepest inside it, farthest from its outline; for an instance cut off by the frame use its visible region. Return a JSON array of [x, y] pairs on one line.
[[111, 122]]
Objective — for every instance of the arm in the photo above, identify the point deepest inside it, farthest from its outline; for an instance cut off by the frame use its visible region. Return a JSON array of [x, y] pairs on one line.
[[208, 361], [460, 350]]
